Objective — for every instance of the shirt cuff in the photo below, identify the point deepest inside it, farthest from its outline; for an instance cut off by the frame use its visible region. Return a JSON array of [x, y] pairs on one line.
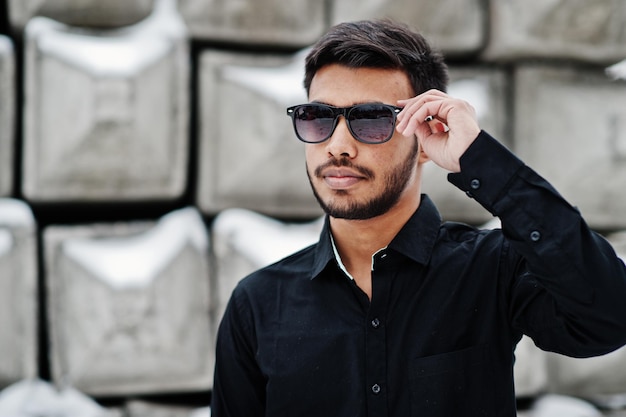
[[486, 169]]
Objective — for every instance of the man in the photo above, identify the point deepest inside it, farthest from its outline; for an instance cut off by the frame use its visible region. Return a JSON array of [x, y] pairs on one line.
[[393, 313]]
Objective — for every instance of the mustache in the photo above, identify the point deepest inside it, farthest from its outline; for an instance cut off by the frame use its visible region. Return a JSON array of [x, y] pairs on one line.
[[343, 162]]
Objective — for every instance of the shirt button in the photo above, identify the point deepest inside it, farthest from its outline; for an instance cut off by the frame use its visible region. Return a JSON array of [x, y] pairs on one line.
[[376, 389], [535, 236], [475, 184], [375, 323]]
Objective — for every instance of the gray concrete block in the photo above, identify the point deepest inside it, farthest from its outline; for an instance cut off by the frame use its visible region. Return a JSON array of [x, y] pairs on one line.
[[454, 26], [486, 90], [129, 306], [137, 408], [7, 114], [249, 155], [268, 22], [584, 30], [97, 14], [18, 292], [570, 125], [106, 112], [85, 13], [35, 397], [244, 241], [21, 11], [530, 372], [588, 378]]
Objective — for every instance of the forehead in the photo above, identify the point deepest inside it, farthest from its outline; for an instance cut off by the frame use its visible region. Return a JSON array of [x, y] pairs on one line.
[[343, 86]]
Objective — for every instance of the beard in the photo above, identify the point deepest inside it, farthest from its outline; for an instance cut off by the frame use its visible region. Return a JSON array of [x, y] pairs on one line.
[[395, 183]]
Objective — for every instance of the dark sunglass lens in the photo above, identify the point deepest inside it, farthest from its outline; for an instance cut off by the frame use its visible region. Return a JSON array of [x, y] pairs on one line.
[[314, 123], [372, 123]]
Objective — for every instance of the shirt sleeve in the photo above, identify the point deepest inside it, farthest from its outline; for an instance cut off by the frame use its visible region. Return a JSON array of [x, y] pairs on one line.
[[238, 383], [567, 286]]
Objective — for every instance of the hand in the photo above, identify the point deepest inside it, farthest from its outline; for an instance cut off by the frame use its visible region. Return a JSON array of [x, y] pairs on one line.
[[447, 135]]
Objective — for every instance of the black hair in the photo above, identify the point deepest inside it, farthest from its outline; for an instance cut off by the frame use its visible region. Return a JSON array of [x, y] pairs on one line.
[[381, 44]]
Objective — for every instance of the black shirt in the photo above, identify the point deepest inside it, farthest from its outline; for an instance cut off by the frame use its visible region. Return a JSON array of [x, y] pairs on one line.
[[449, 303]]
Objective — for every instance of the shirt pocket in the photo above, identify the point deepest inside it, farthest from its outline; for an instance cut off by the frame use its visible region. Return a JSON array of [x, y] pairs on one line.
[[453, 384]]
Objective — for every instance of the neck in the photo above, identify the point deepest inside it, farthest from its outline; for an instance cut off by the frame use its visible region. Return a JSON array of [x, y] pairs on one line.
[[365, 237], [358, 240]]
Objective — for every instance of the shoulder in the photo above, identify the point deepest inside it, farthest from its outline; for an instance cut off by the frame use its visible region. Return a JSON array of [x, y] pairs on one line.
[[455, 237], [289, 270]]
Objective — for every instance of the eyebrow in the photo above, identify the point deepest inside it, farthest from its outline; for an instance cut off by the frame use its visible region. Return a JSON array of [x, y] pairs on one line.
[[354, 104]]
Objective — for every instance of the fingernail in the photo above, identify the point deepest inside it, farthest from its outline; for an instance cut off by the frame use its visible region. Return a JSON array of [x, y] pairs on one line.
[[442, 128]]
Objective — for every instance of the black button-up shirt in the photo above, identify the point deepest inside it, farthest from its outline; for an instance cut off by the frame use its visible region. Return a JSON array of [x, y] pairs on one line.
[[449, 303]]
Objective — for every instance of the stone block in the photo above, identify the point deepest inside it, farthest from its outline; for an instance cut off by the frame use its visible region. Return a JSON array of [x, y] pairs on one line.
[[138, 408], [84, 13], [129, 306], [563, 29], [267, 22], [617, 71], [457, 27], [570, 125], [249, 155], [21, 11], [18, 292], [244, 241], [106, 112], [7, 114], [486, 90], [618, 240], [35, 397], [530, 371], [597, 377]]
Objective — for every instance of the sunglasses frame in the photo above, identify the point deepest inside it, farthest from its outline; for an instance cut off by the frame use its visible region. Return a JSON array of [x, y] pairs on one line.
[[345, 112]]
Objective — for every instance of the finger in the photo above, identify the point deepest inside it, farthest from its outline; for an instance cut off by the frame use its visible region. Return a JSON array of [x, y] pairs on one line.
[[416, 113], [436, 125]]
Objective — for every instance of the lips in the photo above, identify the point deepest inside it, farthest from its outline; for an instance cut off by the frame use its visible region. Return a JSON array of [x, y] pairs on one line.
[[341, 178]]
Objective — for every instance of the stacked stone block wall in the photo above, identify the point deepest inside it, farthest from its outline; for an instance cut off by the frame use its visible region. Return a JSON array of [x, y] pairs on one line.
[[117, 118]]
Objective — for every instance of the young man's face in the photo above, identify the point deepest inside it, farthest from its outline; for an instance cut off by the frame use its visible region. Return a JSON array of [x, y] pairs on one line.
[[355, 180]]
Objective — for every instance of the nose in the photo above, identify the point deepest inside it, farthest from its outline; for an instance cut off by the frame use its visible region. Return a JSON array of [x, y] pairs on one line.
[[341, 143]]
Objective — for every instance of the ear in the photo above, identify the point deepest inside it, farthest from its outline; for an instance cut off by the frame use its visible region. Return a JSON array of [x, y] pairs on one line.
[[422, 158]]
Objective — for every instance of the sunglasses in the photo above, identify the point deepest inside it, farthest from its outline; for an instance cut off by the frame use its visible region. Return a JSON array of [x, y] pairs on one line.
[[368, 123]]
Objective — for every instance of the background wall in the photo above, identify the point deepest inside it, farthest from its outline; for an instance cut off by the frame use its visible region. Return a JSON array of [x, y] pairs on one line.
[[146, 164]]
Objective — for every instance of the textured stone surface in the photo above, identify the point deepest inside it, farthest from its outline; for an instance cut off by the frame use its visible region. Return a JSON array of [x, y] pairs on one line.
[[244, 241], [18, 292], [21, 11], [7, 114], [570, 125], [578, 29], [485, 89], [455, 26], [249, 155], [590, 377], [129, 305], [35, 397], [147, 409], [270, 22], [95, 13], [86, 13], [105, 115], [530, 371]]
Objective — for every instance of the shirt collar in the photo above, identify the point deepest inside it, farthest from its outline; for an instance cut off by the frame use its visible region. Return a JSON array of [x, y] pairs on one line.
[[415, 240]]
